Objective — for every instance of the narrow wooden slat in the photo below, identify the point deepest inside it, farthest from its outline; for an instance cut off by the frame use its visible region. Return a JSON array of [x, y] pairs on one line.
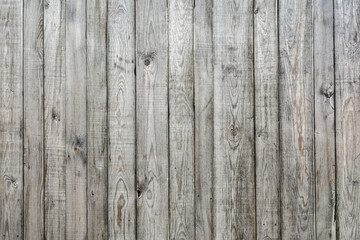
[[234, 186], [181, 119], [296, 119], [97, 205], [121, 110], [11, 119], [152, 119], [266, 120], [324, 119], [347, 87], [76, 145], [33, 120], [204, 119], [54, 118]]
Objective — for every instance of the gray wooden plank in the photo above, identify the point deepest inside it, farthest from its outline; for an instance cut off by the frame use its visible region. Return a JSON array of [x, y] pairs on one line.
[[75, 111], [296, 119], [324, 119], [266, 120], [152, 119], [33, 120], [54, 118], [97, 204], [234, 179], [181, 119], [204, 119], [11, 119], [121, 110], [347, 88]]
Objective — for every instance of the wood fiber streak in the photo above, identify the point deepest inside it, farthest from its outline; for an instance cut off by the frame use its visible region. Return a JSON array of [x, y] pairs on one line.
[[121, 110], [204, 119], [234, 179], [152, 154], [347, 87], [296, 119], [11, 119], [266, 122], [33, 120], [181, 120], [54, 118]]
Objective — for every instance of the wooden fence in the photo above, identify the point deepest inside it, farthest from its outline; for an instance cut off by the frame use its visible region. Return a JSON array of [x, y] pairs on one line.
[[180, 119]]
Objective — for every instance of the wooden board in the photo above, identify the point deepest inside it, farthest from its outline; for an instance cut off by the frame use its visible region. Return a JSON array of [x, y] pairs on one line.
[[234, 172], [296, 119], [121, 112], [181, 119], [76, 120], [11, 119], [204, 119], [152, 155], [347, 72], [96, 92], [324, 119], [33, 120], [54, 118], [266, 120]]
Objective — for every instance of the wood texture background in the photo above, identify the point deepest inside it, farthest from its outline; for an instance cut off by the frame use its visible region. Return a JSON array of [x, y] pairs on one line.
[[180, 119]]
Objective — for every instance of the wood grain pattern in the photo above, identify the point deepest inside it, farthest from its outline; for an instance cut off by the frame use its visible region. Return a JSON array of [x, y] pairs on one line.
[[76, 120], [181, 120], [121, 99], [296, 119], [97, 205], [266, 120], [152, 119], [33, 120], [204, 119], [234, 179], [347, 72], [54, 118], [11, 119], [324, 119]]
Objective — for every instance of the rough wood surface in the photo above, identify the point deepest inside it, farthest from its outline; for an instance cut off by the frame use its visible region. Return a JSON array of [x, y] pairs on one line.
[[181, 120], [121, 110], [76, 121], [234, 179], [152, 119], [97, 204], [324, 119], [347, 72], [296, 119], [266, 120], [33, 120], [204, 119], [11, 119], [54, 118]]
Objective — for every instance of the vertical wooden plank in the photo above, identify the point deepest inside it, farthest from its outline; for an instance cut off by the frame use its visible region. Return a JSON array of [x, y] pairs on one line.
[[266, 120], [54, 118], [324, 119], [204, 119], [11, 119], [296, 119], [33, 120], [76, 145], [97, 205], [181, 119], [152, 119], [347, 72], [234, 183], [121, 100]]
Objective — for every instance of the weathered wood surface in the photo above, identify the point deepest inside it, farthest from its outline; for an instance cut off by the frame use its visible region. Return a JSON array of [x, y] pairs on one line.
[[347, 90], [186, 119], [296, 110]]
